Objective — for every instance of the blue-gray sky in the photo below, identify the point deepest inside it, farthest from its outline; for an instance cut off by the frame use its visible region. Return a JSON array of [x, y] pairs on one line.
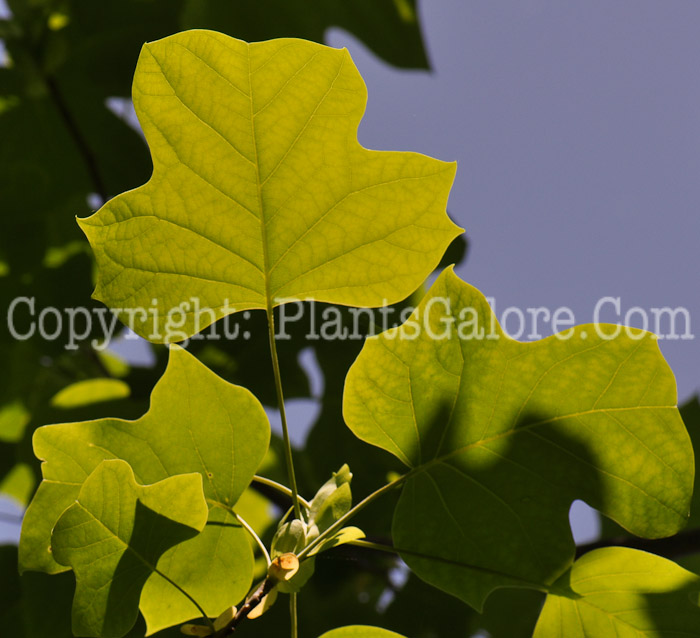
[[576, 127]]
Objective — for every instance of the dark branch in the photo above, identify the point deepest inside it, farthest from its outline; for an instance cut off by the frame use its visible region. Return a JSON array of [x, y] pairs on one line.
[[80, 141], [682, 544], [251, 603]]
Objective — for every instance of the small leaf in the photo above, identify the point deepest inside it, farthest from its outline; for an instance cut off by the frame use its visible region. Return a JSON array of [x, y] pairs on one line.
[[502, 436], [622, 592], [332, 500], [261, 193], [14, 417], [224, 618], [360, 631], [192, 629], [113, 536], [345, 535], [267, 601], [90, 391], [18, 483]]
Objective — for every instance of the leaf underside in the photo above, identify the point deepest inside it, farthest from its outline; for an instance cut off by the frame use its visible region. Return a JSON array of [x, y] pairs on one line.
[[622, 592], [114, 534], [502, 436], [197, 423], [360, 631], [260, 192]]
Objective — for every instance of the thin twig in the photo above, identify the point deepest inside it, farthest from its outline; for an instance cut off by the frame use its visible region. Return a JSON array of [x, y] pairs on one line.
[[682, 544], [251, 603], [78, 137]]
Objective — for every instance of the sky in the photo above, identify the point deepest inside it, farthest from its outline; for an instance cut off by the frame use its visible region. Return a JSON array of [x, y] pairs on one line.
[[576, 129]]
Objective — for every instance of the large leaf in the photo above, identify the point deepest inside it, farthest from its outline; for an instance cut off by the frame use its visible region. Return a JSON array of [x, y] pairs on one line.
[[360, 631], [502, 436], [197, 423], [113, 536], [625, 593], [261, 192]]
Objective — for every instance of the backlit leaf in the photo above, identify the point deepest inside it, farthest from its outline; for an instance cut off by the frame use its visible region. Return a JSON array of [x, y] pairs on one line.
[[501, 436], [197, 422], [90, 391], [261, 192], [624, 593], [360, 631], [214, 568], [113, 536]]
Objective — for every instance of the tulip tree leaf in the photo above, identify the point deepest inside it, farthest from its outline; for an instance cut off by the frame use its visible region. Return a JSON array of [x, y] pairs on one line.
[[196, 423], [261, 192], [622, 592], [502, 436], [214, 568], [360, 631], [113, 536]]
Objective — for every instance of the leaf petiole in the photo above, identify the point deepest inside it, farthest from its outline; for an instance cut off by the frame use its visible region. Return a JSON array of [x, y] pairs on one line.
[[281, 488], [255, 537], [283, 413]]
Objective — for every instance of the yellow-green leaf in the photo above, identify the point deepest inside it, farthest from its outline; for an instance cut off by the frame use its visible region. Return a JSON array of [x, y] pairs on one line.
[[345, 535], [623, 593], [501, 436], [113, 535], [215, 568], [360, 631], [261, 192], [197, 422], [82, 393]]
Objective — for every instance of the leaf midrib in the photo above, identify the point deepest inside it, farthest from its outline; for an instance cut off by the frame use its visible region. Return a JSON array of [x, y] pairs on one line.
[[261, 217], [152, 568]]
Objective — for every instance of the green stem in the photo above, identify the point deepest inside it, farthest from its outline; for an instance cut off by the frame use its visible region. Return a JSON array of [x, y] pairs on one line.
[[255, 537], [283, 414], [293, 613], [281, 488], [340, 523]]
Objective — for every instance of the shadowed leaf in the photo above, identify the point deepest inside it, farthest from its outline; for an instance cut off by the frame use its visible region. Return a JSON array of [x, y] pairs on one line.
[[113, 536], [197, 422], [502, 436], [625, 593]]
